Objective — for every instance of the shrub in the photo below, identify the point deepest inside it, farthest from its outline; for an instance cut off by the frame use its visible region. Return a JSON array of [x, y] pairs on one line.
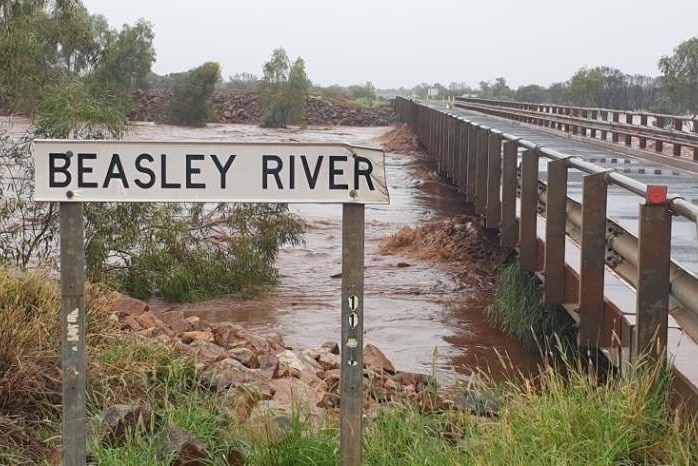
[[192, 93]]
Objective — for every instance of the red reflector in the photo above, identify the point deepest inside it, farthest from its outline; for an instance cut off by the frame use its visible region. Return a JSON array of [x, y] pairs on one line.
[[656, 194]]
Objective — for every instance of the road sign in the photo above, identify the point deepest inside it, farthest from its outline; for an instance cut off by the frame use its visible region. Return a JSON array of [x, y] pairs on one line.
[[74, 172], [136, 171]]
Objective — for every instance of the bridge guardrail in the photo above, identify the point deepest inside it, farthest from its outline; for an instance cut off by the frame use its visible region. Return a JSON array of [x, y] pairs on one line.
[[599, 123], [483, 163]]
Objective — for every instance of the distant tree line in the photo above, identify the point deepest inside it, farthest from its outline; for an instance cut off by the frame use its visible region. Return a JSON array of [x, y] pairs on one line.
[[674, 92]]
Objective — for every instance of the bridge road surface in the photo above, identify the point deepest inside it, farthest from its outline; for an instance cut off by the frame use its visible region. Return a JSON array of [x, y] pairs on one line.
[[622, 205], [623, 208]]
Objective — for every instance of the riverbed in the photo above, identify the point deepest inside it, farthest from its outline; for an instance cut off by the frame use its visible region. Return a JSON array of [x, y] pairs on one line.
[[419, 313]]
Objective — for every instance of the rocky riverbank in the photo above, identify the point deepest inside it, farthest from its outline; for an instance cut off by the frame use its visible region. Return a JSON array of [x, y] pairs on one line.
[[235, 107], [263, 382]]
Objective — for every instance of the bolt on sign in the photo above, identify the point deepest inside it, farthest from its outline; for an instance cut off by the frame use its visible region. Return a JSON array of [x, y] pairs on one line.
[[74, 172]]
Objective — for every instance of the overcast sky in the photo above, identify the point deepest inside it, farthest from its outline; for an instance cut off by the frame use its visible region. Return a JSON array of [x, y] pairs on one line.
[[404, 42]]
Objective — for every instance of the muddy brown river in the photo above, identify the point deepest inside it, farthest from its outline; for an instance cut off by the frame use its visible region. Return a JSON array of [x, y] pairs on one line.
[[418, 315]]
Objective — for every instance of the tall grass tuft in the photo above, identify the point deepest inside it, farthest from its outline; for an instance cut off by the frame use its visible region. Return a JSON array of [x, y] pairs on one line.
[[519, 311], [574, 419]]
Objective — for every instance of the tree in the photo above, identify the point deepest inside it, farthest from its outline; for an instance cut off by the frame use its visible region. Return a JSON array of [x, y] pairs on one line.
[[283, 90], [246, 82], [192, 95], [586, 88], [680, 75], [126, 59], [532, 93]]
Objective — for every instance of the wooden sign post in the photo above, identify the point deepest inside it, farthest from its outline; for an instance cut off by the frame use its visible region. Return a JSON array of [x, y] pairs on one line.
[[73, 172]]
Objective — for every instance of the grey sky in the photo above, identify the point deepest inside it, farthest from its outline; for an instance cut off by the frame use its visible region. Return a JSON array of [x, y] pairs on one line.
[[405, 42]]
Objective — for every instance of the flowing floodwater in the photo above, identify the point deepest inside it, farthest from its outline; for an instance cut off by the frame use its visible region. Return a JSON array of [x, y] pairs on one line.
[[418, 314]]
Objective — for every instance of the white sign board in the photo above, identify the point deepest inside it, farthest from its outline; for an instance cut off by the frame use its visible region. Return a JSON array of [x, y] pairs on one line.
[[144, 171]]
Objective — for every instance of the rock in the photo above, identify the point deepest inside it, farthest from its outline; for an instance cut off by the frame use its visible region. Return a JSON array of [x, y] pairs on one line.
[[472, 403], [391, 385], [175, 320], [275, 339], [194, 335], [245, 397], [381, 395], [150, 320], [291, 393], [291, 362], [230, 363], [331, 346], [402, 265], [254, 342], [226, 336], [228, 376], [329, 361], [183, 448], [268, 364], [419, 381], [246, 356], [130, 323], [375, 359], [198, 324], [332, 378], [207, 351], [120, 419], [127, 306], [329, 401]]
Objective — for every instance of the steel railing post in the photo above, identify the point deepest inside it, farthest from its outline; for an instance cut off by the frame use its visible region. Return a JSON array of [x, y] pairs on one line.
[[528, 241], [555, 223], [653, 288], [494, 180], [592, 261], [509, 228], [471, 186], [481, 179]]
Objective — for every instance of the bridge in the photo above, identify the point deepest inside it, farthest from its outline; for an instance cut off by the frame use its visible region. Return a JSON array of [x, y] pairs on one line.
[[600, 205]]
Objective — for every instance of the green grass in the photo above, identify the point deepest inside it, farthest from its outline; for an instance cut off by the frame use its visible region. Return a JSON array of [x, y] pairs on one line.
[[519, 311], [565, 417]]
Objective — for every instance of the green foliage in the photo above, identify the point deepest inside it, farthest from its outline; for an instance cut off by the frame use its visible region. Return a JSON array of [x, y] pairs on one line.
[[531, 93], [126, 59], [680, 74], [499, 89], [68, 110], [192, 93], [519, 311], [367, 91], [283, 91], [189, 252], [586, 88], [245, 82], [42, 43]]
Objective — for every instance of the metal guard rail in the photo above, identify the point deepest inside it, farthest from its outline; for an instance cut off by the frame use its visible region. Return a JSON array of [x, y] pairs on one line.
[[465, 148], [572, 119]]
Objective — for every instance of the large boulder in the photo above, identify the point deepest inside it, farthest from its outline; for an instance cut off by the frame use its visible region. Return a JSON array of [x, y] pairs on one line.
[[375, 360]]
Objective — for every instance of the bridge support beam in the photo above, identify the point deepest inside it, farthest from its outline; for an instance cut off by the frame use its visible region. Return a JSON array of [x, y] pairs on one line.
[[481, 179]]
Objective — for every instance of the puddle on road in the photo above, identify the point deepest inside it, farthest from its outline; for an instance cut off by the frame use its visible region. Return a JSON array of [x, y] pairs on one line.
[[409, 311]]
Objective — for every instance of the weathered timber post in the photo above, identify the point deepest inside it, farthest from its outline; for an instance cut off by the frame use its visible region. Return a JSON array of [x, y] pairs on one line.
[[352, 380]]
